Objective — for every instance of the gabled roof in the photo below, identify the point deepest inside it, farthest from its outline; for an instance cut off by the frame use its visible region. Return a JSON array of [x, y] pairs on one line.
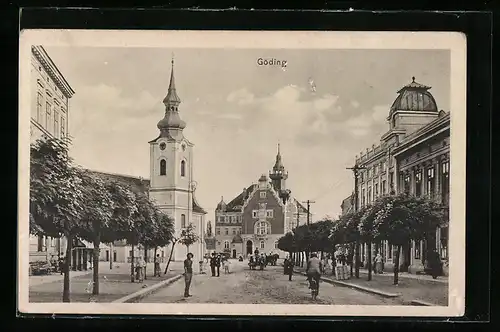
[[240, 199], [137, 184]]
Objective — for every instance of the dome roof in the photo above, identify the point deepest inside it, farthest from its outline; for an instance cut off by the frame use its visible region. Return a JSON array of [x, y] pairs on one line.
[[414, 97], [171, 120]]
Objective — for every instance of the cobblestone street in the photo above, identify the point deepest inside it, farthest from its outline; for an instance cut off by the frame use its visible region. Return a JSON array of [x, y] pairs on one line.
[[243, 286]]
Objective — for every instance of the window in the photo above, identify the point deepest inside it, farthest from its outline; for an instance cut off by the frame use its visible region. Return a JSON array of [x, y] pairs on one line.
[[407, 183], [39, 108], [430, 181], [418, 183], [262, 194], [217, 231], [130, 253], [183, 221], [63, 127], [254, 213], [226, 244], [183, 168], [269, 213], [234, 219], [384, 187], [262, 244], [40, 243], [56, 124], [163, 167], [445, 185], [368, 199], [361, 176], [363, 198], [262, 228], [376, 190], [276, 245], [391, 179], [48, 110], [384, 166], [226, 231], [234, 231], [417, 249], [222, 219]]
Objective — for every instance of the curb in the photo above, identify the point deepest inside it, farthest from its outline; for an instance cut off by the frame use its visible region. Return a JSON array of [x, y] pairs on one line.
[[357, 287], [134, 297], [422, 303], [441, 281]]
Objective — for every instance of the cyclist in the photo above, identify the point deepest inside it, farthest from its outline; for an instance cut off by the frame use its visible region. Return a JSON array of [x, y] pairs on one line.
[[314, 268]]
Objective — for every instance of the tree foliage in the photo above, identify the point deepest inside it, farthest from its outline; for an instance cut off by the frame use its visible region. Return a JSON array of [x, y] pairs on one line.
[[188, 236]]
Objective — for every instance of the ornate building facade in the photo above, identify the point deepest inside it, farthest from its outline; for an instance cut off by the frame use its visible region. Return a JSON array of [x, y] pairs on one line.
[[259, 215], [50, 95], [413, 156]]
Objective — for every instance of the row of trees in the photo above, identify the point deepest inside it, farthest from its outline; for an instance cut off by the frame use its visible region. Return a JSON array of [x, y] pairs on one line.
[[67, 200], [397, 219]]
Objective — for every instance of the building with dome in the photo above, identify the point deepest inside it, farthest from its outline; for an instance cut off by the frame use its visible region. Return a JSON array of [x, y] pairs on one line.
[[258, 216], [413, 157]]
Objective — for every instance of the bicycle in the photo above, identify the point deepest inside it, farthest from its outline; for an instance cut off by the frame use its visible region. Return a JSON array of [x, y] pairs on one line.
[[314, 288]]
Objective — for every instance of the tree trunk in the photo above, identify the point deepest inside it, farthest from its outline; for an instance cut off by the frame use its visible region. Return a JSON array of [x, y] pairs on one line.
[[146, 260], [369, 262], [155, 261], [351, 258], [132, 274], [357, 260], [111, 255], [396, 264], [67, 265], [95, 257], [169, 257]]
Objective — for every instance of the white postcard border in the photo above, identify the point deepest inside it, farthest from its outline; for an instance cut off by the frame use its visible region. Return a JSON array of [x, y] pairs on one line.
[[453, 41]]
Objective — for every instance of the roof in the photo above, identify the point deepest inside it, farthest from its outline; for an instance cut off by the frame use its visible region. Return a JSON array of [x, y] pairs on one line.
[[414, 97], [139, 184], [50, 67], [240, 199]]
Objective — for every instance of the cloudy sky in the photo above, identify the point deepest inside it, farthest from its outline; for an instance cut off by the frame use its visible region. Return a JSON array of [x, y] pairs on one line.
[[237, 111]]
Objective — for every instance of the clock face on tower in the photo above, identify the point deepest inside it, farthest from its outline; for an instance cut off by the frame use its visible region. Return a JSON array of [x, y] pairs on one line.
[[163, 146]]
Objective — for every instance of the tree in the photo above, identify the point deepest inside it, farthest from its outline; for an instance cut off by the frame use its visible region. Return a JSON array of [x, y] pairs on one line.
[[56, 196], [287, 243], [165, 232], [401, 218], [188, 236], [97, 214]]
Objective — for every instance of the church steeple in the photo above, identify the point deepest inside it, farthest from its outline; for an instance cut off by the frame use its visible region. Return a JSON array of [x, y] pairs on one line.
[[278, 165], [172, 123]]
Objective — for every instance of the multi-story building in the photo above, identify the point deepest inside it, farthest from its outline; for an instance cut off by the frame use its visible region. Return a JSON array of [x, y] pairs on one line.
[[50, 95], [411, 156], [258, 216]]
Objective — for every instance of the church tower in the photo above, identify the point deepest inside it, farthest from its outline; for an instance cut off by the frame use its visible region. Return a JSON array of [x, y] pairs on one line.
[[278, 177], [171, 170]]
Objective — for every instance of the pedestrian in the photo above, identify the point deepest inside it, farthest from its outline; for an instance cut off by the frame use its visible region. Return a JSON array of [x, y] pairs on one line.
[[289, 268], [157, 266], [141, 269], [188, 273], [213, 263], [379, 261], [226, 266], [435, 264], [217, 264]]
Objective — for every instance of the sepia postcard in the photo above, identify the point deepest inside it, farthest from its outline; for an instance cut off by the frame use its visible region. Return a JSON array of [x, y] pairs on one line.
[[242, 173]]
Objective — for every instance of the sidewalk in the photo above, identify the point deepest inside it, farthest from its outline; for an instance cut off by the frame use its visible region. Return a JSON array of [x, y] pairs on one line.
[[403, 275], [409, 289], [113, 283]]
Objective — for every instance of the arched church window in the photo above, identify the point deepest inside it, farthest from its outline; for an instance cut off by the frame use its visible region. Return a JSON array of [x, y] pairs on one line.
[[183, 168], [183, 221], [163, 167]]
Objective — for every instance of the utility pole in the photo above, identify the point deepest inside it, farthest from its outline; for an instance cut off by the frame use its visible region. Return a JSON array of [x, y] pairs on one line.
[[355, 169], [309, 202]]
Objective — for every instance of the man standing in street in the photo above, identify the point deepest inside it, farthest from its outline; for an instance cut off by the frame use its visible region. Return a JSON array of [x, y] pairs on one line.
[[213, 263], [188, 273], [217, 264]]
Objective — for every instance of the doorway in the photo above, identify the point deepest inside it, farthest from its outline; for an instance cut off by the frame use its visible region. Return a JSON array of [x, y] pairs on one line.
[[114, 256], [249, 247], [107, 255], [234, 253]]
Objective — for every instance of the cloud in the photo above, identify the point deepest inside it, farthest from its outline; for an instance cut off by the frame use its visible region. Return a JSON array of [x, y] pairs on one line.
[[240, 97], [363, 124], [354, 104]]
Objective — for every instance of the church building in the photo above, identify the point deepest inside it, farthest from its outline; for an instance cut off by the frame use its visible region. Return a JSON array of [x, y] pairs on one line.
[[172, 185], [258, 216]]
